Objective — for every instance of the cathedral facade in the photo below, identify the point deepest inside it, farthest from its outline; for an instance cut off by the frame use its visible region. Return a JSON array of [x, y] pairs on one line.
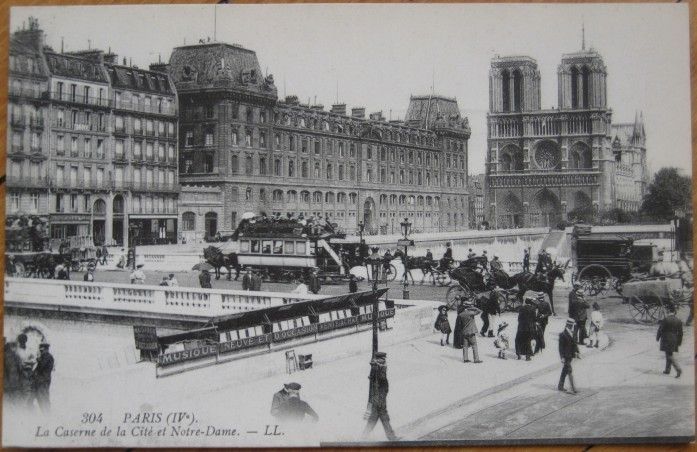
[[542, 165]]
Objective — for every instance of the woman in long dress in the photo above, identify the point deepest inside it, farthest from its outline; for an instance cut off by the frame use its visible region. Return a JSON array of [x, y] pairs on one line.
[[443, 325]]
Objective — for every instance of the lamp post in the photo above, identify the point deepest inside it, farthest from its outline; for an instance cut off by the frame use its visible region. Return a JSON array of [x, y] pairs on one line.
[[406, 228], [375, 262]]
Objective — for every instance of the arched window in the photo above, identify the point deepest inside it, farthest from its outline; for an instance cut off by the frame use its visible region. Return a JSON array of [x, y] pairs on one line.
[[574, 87], [353, 198], [341, 198], [585, 81], [429, 201], [329, 198], [393, 200], [292, 196], [277, 196], [506, 90], [234, 164], [517, 91], [305, 196], [317, 197], [383, 200], [277, 168], [402, 200], [188, 221]]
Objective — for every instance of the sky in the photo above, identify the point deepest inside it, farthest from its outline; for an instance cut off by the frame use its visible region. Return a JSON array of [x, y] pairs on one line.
[[377, 55]]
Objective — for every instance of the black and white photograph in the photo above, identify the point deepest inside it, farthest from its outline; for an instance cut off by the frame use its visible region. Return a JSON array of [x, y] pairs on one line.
[[314, 225]]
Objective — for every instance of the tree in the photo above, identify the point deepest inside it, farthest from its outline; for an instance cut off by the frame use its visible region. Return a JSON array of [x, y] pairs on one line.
[[667, 192]]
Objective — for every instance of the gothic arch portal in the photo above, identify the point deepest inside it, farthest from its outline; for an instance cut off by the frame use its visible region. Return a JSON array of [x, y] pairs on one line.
[[510, 212], [546, 209]]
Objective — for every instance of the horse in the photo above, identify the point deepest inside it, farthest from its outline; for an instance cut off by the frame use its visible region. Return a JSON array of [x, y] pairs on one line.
[[527, 281], [218, 259], [416, 263]]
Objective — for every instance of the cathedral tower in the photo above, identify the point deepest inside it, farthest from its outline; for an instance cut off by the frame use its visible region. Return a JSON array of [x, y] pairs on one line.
[[582, 81], [514, 84]]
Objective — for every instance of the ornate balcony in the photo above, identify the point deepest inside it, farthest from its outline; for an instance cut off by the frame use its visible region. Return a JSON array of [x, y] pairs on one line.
[[544, 178], [548, 123]]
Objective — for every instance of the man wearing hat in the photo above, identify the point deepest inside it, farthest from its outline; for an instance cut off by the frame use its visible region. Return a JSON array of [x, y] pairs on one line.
[[568, 350], [447, 258], [41, 378], [670, 336], [578, 310], [377, 397], [204, 279], [287, 405], [469, 330], [247, 280], [282, 396], [526, 329], [353, 284], [313, 281], [544, 310]]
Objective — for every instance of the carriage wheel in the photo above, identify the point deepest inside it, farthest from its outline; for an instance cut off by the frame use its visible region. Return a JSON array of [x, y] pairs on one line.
[[441, 279], [454, 292], [646, 309], [595, 279], [391, 274]]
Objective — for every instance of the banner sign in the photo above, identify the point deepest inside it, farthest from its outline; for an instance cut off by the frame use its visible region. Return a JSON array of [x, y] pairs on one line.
[[187, 355], [338, 323], [295, 332], [145, 337], [239, 344], [382, 315]]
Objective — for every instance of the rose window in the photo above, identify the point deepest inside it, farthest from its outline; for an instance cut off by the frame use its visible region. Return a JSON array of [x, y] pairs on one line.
[[547, 155]]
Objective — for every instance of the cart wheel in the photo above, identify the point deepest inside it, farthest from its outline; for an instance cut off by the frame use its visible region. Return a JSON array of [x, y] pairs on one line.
[[454, 292], [647, 309], [595, 279], [639, 310], [441, 279], [391, 273]]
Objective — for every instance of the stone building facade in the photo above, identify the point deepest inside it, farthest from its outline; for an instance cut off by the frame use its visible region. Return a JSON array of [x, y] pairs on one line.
[[543, 164], [267, 154], [72, 133]]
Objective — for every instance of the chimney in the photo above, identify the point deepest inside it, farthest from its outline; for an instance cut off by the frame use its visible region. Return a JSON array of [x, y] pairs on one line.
[[32, 37], [358, 112], [339, 109]]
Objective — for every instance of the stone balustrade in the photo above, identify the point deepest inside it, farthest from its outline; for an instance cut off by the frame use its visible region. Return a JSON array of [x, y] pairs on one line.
[[130, 300]]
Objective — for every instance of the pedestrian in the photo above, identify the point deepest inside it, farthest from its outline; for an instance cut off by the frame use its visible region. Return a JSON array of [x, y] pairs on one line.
[[447, 259], [544, 262], [256, 281], [595, 326], [670, 336], [495, 264], [471, 254], [526, 329], [89, 275], [489, 305], [281, 398], [314, 283], [301, 288], [247, 279], [41, 378], [579, 312], [61, 272], [469, 331], [27, 361], [12, 382], [204, 279], [574, 294], [568, 350], [353, 285], [377, 397], [526, 260], [502, 342], [164, 282], [443, 325], [544, 310], [105, 254], [173, 281], [138, 276], [429, 255]]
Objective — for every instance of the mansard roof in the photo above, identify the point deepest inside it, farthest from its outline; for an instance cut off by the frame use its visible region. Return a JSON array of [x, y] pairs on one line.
[[127, 77], [435, 111], [218, 65], [64, 65]]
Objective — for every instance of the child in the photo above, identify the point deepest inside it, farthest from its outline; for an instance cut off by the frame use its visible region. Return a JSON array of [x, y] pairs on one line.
[[596, 325], [501, 341], [443, 325]]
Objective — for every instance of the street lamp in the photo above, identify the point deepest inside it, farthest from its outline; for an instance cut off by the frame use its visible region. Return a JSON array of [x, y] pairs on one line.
[[406, 228], [375, 263]]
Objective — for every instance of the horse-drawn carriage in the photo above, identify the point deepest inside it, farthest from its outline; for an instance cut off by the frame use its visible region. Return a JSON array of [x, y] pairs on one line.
[[281, 250], [648, 299], [602, 262]]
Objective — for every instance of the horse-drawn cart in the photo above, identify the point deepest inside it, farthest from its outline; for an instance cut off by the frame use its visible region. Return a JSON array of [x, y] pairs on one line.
[[602, 262], [648, 299]]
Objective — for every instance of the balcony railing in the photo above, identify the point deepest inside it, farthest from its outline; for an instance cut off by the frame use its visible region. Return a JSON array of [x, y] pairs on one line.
[[547, 123], [29, 182], [81, 127], [160, 110], [152, 186], [28, 93], [80, 99]]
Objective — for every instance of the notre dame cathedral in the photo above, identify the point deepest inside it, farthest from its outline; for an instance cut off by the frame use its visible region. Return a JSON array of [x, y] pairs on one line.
[[544, 164]]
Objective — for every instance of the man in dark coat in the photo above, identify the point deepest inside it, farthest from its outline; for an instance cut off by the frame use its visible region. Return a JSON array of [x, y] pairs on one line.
[[281, 397], [447, 258], [544, 310], [256, 281], [313, 282], [12, 383], [526, 329], [526, 260], [353, 285], [204, 278], [670, 336], [489, 305], [41, 379], [377, 396], [578, 310], [469, 330], [544, 262], [287, 405], [247, 280], [568, 350]]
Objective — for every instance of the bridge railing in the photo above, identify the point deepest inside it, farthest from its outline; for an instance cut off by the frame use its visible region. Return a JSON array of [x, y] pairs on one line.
[[133, 298]]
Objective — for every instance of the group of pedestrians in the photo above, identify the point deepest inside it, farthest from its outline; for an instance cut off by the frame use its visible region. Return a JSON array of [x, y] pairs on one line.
[[27, 377]]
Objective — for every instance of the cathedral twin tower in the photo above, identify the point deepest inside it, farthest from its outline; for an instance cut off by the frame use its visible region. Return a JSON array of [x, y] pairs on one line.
[[545, 166]]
